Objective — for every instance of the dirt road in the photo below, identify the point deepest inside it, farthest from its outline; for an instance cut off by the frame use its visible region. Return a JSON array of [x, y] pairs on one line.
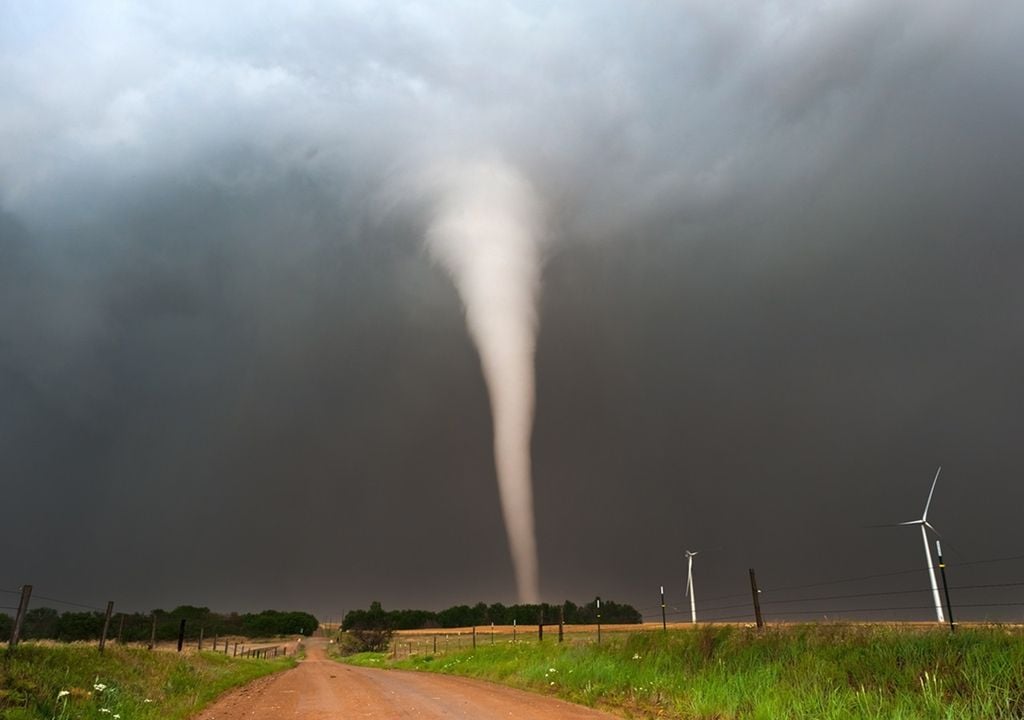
[[320, 688]]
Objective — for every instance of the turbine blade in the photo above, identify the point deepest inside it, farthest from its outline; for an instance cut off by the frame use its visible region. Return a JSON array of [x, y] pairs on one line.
[[929, 526], [912, 522], [930, 493]]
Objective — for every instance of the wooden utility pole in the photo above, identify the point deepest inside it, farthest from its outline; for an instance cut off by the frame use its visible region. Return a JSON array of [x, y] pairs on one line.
[[757, 600], [106, 624], [26, 595]]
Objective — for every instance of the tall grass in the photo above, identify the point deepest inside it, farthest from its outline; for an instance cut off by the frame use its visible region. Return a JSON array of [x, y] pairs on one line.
[[59, 682], [805, 671]]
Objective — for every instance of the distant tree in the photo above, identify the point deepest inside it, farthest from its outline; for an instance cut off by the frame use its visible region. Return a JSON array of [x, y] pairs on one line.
[[80, 626], [40, 623], [6, 626]]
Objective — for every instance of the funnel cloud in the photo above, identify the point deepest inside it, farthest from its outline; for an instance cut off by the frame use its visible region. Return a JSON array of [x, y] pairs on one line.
[[485, 232]]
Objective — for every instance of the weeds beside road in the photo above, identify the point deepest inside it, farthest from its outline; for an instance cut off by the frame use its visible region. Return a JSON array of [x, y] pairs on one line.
[[44, 682], [839, 672]]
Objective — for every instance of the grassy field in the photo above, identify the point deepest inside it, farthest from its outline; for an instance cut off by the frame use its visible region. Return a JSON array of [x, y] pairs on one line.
[[727, 673], [60, 682]]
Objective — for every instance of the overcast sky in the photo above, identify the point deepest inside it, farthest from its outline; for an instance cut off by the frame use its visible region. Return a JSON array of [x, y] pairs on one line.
[[782, 284]]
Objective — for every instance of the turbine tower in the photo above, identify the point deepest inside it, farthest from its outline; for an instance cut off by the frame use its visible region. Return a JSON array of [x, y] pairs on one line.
[[925, 526], [689, 585]]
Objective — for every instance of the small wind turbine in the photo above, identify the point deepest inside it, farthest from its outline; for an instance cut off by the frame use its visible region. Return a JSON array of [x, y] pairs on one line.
[[689, 585], [925, 526]]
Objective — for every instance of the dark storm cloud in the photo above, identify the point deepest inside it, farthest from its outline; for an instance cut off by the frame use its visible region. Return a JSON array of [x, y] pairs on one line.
[[783, 284]]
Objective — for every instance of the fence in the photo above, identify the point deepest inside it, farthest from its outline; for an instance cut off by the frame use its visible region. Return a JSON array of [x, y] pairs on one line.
[[227, 644]]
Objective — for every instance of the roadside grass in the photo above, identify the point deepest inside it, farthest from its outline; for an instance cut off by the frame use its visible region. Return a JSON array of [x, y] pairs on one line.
[[60, 682], [828, 672]]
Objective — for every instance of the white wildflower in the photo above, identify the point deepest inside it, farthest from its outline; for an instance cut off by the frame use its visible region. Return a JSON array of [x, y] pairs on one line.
[[99, 687], [63, 693], [104, 710]]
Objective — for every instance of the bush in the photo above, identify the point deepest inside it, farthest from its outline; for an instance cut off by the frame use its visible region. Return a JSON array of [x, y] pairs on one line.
[[364, 640]]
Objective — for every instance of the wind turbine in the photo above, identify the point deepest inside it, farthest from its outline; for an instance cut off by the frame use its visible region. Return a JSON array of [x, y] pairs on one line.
[[689, 585], [925, 526]]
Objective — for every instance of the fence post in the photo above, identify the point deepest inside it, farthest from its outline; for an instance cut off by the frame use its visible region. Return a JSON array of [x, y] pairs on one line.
[[235, 654], [106, 624], [561, 621], [26, 594], [181, 634], [474, 637], [945, 587], [599, 620], [540, 626], [757, 600], [664, 624], [152, 633], [515, 626], [200, 646], [215, 638]]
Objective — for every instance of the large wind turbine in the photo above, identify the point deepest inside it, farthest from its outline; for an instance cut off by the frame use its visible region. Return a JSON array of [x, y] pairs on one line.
[[925, 526], [689, 585]]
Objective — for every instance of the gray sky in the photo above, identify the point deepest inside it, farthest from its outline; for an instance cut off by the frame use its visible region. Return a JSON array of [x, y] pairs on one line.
[[782, 285]]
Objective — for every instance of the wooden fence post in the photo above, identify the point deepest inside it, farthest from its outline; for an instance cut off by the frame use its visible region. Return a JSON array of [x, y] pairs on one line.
[[181, 634], [757, 600], [106, 624], [26, 595]]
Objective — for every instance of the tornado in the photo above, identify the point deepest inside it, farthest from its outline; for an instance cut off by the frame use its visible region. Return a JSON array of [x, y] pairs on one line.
[[485, 230]]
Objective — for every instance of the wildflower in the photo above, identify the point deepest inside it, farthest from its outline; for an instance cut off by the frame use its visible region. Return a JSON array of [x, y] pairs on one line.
[[99, 687], [147, 700], [104, 710], [636, 656], [63, 693], [117, 716], [551, 670]]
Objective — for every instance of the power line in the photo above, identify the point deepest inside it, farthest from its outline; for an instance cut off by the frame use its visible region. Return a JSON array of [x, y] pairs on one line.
[[68, 602]]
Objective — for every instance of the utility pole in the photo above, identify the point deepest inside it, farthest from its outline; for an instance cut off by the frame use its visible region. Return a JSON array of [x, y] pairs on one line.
[[757, 600], [945, 586]]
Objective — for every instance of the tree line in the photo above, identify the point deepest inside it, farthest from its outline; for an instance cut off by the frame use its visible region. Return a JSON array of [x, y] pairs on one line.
[[481, 614], [45, 623]]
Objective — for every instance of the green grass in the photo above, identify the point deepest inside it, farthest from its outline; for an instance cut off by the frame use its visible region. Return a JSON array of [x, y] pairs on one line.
[[727, 673], [48, 682]]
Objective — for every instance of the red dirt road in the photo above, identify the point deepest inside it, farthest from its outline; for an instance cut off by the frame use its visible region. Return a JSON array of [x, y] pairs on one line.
[[320, 688]]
